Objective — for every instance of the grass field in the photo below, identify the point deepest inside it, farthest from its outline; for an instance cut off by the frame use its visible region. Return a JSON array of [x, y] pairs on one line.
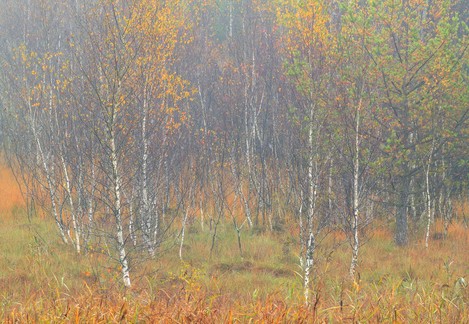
[[41, 280]]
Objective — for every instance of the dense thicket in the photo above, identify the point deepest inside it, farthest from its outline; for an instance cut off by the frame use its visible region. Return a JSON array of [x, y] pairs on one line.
[[129, 119]]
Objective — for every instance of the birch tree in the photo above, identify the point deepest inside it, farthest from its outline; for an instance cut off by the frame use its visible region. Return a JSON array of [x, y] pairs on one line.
[[307, 42]]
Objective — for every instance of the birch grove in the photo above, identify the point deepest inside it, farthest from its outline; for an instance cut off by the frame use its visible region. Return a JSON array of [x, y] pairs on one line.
[[134, 123]]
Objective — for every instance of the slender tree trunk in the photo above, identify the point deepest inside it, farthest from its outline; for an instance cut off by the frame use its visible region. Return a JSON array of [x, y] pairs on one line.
[[239, 191], [356, 169], [183, 232], [76, 228], [118, 211], [401, 216], [91, 202], [428, 197], [412, 201], [201, 207], [132, 227], [52, 188], [146, 213], [310, 239]]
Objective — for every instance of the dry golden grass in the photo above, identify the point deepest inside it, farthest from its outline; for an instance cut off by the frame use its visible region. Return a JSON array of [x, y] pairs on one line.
[[43, 281]]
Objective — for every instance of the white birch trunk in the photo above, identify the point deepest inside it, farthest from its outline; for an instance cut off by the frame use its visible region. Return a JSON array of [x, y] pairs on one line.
[[52, 187], [132, 232], [240, 194], [302, 228], [246, 207], [76, 228], [356, 169], [186, 217], [91, 200], [118, 212], [183, 233], [310, 239], [146, 212], [308, 266], [428, 194]]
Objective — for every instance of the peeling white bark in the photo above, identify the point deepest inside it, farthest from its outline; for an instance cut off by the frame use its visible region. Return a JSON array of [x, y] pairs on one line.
[[428, 194], [356, 169], [76, 228], [118, 211]]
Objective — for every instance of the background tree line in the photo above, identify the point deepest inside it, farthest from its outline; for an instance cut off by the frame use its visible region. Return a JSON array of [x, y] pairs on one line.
[[130, 121]]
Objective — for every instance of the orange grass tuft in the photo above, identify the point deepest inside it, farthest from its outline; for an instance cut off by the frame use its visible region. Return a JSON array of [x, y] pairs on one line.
[[461, 207], [459, 231], [382, 233]]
